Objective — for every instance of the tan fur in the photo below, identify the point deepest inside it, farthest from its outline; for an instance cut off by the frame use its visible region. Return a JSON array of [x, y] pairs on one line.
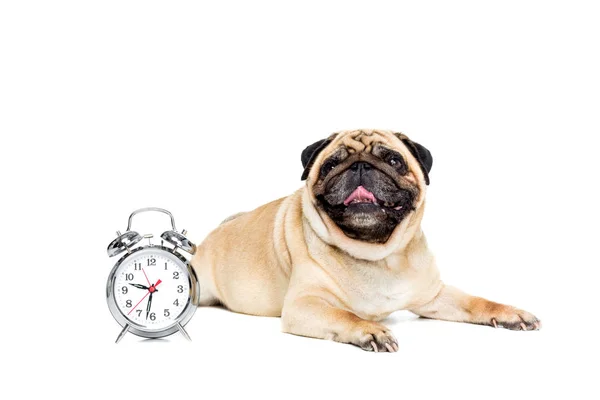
[[288, 259]]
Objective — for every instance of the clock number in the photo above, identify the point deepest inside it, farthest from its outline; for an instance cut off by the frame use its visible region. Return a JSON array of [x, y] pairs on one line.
[[128, 303], [151, 261], [176, 302], [152, 316], [180, 289], [129, 277], [165, 266], [124, 290], [139, 312], [167, 313], [137, 266], [175, 275]]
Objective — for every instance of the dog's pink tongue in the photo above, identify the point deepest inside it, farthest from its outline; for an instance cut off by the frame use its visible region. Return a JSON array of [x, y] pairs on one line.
[[360, 194]]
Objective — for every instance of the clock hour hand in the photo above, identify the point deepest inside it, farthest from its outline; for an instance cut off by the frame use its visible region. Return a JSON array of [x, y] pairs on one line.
[[139, 286]]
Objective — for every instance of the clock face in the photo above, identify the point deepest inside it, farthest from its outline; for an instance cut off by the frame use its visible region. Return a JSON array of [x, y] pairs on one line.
[[151, 288]]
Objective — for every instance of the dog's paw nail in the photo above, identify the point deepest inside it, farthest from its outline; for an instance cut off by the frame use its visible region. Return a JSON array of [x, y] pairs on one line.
[[390, 348], [494, 323], [374, 347], [523, 326]]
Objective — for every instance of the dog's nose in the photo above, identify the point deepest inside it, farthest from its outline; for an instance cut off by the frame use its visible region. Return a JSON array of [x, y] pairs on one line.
[[360, 166]]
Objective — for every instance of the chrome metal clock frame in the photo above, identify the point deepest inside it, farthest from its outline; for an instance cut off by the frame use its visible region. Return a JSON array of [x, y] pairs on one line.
[[179, 322]]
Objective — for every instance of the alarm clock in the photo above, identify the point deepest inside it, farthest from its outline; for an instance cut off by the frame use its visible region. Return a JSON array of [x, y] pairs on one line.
[[151, 290]]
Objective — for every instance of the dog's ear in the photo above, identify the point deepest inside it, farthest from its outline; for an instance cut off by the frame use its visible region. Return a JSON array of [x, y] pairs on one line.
[[421, 153], [309, 155]]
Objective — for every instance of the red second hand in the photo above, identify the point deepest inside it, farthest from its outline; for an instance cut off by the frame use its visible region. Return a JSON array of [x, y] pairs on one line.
[[147, 280], [153, 287], [147, 293]]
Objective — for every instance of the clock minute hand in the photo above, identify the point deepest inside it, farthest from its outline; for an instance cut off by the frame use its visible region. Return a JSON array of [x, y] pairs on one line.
[[151, 290], [137, 285], [149, 305]]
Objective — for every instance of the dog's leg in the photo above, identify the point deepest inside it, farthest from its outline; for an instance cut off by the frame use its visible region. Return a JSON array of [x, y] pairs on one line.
[[314, 317], [452, 304]]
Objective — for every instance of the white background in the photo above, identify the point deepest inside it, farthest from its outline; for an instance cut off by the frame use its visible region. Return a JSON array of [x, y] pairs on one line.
[[203, 109]]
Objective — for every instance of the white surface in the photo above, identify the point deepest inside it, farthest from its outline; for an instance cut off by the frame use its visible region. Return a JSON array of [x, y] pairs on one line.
[[204, 110]]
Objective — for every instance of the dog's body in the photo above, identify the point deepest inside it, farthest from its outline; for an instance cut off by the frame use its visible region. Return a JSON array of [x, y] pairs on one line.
[[344, 251]]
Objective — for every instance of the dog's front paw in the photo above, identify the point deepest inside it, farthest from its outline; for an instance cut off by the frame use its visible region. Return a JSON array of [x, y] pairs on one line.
[[371, 336], [515, 319]]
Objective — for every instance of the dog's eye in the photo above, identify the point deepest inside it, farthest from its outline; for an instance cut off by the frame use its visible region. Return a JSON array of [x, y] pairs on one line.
[[394, 161], [327, 167]]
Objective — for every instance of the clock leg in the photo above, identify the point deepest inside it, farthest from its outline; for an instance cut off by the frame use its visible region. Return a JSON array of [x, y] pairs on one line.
[[183, 332], [123, 332]]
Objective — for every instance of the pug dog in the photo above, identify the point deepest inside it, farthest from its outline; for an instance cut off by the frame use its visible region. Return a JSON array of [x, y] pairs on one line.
[[344, 251]]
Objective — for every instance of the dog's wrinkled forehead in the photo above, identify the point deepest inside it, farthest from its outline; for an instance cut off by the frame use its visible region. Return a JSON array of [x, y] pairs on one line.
[[364, 140]]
